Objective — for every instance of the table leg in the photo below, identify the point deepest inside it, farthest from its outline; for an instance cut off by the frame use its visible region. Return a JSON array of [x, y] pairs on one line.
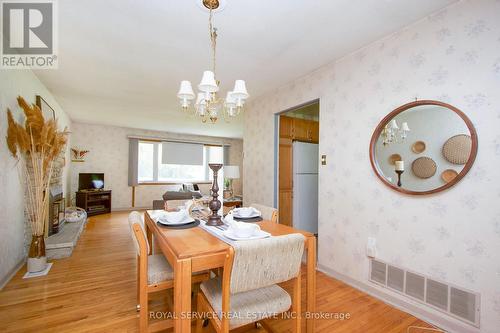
[[311, 282], [182, 296]]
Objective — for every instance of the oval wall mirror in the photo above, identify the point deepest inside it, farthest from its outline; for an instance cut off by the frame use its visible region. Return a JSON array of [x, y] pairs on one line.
[[434, 141]]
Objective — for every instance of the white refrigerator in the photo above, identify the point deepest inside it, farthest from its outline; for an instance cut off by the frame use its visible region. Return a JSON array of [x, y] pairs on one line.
[[305, 186]]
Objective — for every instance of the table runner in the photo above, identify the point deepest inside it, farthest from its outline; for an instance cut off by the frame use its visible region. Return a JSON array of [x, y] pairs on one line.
[[215, 231]]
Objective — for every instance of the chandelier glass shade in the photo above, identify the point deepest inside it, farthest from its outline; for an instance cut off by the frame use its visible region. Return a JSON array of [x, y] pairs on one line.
[[207, 103], [393, 134]]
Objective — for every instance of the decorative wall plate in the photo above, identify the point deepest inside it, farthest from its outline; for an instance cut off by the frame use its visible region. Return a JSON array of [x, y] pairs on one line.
[[457, 149], [418, 147], [424, 167], [448, 175], [393, 158]]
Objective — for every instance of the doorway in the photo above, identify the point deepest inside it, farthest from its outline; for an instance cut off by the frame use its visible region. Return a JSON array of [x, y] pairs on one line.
[[297, 158]]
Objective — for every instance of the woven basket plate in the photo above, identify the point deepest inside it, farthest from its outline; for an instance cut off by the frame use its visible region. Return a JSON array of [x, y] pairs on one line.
[[424, 167], [418, 147], [457, 149], [448, 175]]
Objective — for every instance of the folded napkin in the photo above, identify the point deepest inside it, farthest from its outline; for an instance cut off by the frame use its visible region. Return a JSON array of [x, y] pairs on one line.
[[246, 212], [243, 229]]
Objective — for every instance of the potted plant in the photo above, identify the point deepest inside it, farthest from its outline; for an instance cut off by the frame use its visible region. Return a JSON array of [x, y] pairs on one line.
[[227, 191], [36, 145]]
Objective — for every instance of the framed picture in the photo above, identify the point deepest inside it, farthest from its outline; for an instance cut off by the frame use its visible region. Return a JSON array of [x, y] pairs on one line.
[[47, 111]]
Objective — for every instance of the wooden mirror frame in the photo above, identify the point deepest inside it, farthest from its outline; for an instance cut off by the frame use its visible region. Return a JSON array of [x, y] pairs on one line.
[[410, 105]]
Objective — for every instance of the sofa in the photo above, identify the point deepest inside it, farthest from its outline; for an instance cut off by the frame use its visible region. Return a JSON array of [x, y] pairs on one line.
[[185, 192]]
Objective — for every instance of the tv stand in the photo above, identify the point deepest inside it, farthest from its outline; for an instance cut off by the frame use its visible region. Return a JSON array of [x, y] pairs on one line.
[[94, 202]]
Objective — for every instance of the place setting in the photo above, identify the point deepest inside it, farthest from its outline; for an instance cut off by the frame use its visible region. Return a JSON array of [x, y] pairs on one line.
[[234, 229], [180, 219], [246, 214]]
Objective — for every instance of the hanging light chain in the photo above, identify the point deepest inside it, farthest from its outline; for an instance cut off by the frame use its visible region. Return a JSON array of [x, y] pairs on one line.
[[213, 38]]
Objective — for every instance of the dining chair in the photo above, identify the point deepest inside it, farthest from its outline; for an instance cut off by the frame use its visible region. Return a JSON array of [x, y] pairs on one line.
[[154, 274], [268, 213], [248, 292], [174, 204]]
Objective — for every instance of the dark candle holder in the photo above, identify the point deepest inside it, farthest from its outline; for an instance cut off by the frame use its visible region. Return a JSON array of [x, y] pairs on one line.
[[399, 172], [215, 204]]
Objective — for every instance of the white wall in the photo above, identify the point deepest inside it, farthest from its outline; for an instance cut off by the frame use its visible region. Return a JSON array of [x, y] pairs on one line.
[[452, 56], [109, 145], [14, 236]]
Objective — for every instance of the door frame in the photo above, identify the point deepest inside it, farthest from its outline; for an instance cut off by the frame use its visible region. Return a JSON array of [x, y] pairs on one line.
[[277, 144]]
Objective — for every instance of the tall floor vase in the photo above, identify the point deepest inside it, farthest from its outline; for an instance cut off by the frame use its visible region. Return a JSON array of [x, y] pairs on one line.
[[37, 260]]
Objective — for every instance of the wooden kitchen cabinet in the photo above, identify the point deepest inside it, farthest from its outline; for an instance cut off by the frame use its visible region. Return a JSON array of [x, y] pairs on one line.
[[286, 164], [285, 180], [285, 214], [315, 132], [299, 129], [305, 130], [286, 127]]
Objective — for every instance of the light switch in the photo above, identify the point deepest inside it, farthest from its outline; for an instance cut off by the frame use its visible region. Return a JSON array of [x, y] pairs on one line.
[[371, 247]]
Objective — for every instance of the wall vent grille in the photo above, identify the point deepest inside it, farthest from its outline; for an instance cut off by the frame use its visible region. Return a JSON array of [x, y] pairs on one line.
[[415, 286], [452, 300], [378, 271]]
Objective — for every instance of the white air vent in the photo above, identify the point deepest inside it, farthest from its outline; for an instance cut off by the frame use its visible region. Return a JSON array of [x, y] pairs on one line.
[[396, 278], [454, 301], [378, 271], [415, 286], [462, 304], [437, 294]]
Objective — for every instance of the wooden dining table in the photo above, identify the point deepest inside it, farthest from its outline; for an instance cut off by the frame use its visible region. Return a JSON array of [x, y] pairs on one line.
[[194, 250]]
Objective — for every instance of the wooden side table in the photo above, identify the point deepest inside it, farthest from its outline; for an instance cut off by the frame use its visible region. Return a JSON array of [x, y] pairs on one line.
[[233, 203]]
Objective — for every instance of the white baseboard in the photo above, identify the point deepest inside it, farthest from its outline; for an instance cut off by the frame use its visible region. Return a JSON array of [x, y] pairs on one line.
[[11, 274], [433, 317]]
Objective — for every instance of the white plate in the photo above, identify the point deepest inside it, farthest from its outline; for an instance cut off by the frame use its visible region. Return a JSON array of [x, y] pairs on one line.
[[164, 221], [238, 216], [261, 234], [246, 217]]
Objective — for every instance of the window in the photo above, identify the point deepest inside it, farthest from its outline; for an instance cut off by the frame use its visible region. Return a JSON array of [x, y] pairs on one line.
[[152, 170], [146, 162]]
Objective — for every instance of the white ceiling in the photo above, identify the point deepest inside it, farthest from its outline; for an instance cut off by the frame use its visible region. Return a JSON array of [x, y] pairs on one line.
[[121, 61]]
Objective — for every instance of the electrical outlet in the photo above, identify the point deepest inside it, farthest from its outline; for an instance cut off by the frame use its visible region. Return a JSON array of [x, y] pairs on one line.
[[323, 159]]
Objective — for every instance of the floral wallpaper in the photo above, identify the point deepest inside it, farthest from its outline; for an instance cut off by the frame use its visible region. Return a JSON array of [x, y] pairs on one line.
[[452, 56], [109, 145]]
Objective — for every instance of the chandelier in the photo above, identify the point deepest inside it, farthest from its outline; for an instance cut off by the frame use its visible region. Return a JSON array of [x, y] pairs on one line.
[[393, 134], [208, 105]]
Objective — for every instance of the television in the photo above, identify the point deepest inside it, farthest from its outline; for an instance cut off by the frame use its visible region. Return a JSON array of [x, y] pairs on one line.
[[91, 181]]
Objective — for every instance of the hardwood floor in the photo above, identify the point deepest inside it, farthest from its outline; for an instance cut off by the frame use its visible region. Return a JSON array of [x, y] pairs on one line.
[[94, 291]]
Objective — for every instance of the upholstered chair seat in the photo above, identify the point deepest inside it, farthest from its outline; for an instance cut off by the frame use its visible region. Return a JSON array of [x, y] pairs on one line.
[[159, 269], [263, 303]]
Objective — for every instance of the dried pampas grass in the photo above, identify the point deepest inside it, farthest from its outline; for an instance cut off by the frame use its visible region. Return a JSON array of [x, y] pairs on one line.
[[36, 146]]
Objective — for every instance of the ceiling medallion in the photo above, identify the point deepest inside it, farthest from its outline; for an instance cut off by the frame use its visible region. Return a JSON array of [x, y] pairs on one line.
[[211, 4], [208, 105]]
